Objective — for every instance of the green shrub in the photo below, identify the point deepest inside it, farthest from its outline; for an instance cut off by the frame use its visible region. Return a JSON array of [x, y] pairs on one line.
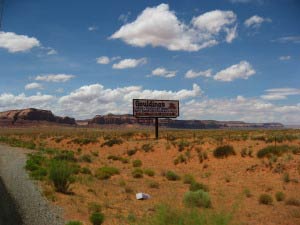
[[97, 218], [131, 152], [124, 160], [137, 173], [137, 163], [39, 174], [149, 172], [265, 199], [94, 207], [247, 192], [280, 196], [292, 201], [61, 174], [195, 186], [198, 198], [273, 150], [182, 144], [286, 177], [34, 162], [170, 175], [106, 172], [167, 215], [65, 156], [180, 159], [113, 157], [84, 141], [224, 151], [188, 179], [74, 223], [153, 184], [112, 142], [86, 158], [147, 147], [85, 170]]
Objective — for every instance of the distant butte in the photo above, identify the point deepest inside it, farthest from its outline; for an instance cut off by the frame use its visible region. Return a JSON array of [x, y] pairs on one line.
[[25, 116]]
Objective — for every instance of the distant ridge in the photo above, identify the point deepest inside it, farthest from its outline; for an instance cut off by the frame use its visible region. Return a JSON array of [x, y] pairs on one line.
[[111, 119], [32, 116]]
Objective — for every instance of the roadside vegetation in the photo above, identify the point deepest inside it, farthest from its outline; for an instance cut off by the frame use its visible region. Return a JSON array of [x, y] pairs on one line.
[[188, 174]]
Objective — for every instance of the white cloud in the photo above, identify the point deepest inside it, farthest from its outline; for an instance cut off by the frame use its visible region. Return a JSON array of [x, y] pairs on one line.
[[288, 39], [158, 26], [243, 70], [9, 101], [54, 77], [89, 100], [17, 43], [129, 63], [33, 86], [242, 109], [59, 90], [103, 60], [213, 22], [256, 21], [52, 52], [92, 28], [285, 58], [280, 93], [162, 72], [96, 99], [193, 74]]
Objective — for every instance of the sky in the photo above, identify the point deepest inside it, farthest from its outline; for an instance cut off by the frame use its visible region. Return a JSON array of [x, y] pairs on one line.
[[222, 59]]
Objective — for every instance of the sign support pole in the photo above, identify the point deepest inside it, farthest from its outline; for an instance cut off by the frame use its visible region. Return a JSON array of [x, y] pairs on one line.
[[156, 128]]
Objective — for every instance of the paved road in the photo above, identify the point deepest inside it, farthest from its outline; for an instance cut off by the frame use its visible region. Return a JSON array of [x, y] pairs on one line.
[[8, 212]]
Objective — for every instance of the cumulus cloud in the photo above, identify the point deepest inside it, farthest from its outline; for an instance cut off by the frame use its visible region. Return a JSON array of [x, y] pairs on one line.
[[241, 108], [285, 58], [193, 74], [33, 85], [256, 21], [95, 99], [280, 93], [129, 63], [103, 60], [213, 22], [17, 43], [10, 101], [243, 70], [163, 72], [54, 77], [158, 26]]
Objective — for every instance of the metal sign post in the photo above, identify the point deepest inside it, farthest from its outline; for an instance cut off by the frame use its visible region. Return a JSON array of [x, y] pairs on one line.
[[150, 108]]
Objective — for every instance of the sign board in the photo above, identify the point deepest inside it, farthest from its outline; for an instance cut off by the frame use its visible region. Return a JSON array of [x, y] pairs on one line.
[[155, 108]]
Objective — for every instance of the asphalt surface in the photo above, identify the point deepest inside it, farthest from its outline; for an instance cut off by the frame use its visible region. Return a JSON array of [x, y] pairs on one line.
[[8, 211], [30, 204]]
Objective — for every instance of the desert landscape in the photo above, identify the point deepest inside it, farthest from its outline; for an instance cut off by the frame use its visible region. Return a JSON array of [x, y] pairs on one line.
[[219, 176]]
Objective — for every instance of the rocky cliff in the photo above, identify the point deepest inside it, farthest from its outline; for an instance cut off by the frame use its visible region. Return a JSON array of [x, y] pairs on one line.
[[31, 114]]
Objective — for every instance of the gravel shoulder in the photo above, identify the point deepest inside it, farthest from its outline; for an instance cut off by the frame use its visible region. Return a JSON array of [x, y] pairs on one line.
[[32, 206]]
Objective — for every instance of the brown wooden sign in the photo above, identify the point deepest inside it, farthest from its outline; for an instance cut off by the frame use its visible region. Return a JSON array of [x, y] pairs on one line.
[[151, 108], [155, 108]]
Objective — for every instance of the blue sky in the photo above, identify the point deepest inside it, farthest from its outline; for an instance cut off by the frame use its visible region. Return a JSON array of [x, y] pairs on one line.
[[224, 60]]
